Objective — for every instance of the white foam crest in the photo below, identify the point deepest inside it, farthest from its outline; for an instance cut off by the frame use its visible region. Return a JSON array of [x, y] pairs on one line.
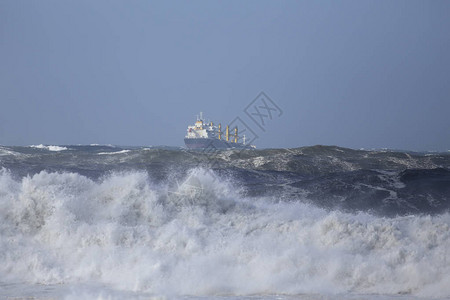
[[200, 237], [103, 145], [117, 152], [49, 147]]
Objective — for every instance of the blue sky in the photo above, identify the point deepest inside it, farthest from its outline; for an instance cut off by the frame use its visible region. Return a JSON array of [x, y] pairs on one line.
[[359, 74]]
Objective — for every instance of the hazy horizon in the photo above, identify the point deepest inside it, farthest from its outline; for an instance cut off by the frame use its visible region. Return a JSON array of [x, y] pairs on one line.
[[353, 74]]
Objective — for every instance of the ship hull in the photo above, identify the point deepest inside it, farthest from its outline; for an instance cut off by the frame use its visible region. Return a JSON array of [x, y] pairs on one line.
[[208, 143]]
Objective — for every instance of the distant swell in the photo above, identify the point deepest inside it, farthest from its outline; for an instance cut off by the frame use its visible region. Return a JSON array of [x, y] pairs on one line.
[[200, 234]]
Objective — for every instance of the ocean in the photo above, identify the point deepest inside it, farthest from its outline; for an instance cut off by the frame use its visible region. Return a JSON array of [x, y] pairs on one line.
[[320, 222]]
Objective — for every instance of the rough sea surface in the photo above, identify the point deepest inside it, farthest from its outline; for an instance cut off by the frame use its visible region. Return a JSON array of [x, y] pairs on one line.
[[322, 222]]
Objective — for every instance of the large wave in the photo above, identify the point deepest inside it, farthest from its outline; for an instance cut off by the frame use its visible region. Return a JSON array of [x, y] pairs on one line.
[[200, 235], [386, 183]]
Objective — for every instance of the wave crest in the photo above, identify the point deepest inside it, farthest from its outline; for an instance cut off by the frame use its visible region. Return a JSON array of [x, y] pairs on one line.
[[49, 147]]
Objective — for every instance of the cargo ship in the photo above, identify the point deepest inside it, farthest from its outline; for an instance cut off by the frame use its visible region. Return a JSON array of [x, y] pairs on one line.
[[205, 135]]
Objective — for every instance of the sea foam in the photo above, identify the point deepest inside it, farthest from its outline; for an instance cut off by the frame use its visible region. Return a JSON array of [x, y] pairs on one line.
[[49, 148], [201, 236]]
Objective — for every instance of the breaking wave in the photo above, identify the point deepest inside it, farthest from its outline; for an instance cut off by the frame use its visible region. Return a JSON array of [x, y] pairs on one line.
[[201, 233], [49, 148]]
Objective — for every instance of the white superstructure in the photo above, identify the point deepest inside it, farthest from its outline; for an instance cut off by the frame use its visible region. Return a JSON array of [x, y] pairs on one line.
[[201, 129]]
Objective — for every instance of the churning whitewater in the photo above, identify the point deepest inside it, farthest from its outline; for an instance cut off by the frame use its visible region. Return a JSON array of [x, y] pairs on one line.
[[161, 221]]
